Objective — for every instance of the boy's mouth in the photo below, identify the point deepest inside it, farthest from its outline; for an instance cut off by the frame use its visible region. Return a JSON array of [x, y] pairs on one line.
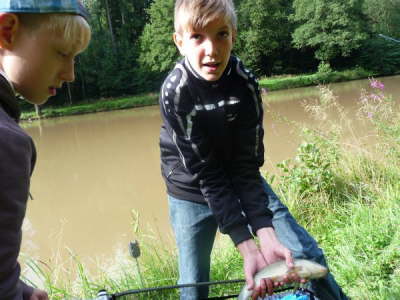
[[52, 91], [211, 66]]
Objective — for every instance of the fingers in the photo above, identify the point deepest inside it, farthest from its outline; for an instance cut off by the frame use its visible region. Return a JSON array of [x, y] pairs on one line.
[[263, 288], [256, 294], [270, 285], [249, 280], [293, 276], [266, 285], [289, 258]]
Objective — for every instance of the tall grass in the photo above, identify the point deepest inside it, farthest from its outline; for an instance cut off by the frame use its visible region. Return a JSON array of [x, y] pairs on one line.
[[347, 197], [350, 199]]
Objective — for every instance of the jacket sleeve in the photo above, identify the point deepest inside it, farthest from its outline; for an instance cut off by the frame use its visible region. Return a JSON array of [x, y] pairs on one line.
[[249, 155], [15, 168], [181, 121]]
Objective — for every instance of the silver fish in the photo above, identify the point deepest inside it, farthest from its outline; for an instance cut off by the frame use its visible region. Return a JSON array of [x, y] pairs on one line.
[[305, 269]]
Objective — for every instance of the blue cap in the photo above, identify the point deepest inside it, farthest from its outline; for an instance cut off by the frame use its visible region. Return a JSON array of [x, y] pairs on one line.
[[44, 6]]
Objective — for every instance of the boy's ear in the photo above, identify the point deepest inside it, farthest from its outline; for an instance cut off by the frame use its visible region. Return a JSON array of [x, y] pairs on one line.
[[179, 42], [9, 24]]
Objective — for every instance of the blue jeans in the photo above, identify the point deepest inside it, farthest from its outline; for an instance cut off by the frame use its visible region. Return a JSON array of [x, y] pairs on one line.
[[195, 228]]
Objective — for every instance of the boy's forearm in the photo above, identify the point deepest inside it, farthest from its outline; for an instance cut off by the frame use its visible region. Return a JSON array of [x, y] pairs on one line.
[[249, 157], [267, 234], [253, 199], [247, 248]]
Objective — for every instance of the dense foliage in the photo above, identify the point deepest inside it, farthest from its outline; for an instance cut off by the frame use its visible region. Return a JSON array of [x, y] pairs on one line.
[[132, 48]]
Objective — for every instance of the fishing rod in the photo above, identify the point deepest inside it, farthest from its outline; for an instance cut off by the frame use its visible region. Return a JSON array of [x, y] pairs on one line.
[[134, 250], [179, 286], [388, 38], [103, 295]]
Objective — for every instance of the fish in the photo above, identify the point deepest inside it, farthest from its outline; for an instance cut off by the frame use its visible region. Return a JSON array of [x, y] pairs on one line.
[[305, 269]]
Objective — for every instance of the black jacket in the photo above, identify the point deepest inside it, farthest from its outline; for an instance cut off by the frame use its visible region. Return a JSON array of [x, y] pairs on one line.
[[17, 160], [211, 145]]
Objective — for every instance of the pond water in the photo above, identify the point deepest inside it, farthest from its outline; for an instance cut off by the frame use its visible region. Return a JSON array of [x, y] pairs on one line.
[[98, 174]]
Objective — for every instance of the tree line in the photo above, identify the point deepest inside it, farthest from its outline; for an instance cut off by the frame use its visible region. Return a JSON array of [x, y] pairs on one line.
[[132, 49]]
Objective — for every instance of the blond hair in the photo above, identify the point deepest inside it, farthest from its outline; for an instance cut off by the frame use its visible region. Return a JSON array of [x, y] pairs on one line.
[[73, 28], [198, 13]]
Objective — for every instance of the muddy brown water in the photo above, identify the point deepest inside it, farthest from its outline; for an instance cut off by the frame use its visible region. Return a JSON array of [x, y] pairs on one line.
[[97, 173]]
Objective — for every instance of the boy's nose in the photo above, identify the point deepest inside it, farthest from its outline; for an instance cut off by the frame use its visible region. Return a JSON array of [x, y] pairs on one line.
[[68, 72], [210, 48]]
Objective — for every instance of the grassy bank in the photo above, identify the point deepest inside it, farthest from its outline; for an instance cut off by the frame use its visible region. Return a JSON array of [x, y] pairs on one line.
[[288, 82], [347, 196], [94, 106], [272, 84]]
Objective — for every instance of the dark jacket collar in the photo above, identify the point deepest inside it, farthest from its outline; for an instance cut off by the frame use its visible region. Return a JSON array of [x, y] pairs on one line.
[[8, 101]]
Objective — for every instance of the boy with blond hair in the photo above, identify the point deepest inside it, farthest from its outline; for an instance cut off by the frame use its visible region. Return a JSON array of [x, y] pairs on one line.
[[38, 43], [211, 144]]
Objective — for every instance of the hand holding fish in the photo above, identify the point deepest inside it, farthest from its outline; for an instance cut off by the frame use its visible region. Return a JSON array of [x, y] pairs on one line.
[[274, 251], [256, 259], [276, 263], [304, 268], [253, 261]]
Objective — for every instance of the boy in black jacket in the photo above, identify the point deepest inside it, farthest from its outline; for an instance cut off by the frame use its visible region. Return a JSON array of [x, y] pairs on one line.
[[38, 43], [211, 150]]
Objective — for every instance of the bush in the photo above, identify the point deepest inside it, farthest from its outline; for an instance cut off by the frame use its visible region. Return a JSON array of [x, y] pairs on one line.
[[324, 68], [380, 56], [310, 172]]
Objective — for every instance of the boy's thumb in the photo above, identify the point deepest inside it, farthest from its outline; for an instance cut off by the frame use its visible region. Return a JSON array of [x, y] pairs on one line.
[[249, 281]]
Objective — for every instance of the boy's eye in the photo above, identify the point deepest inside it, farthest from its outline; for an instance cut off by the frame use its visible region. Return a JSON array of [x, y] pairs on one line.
[[195, 36], [224, 34], [62, 54]]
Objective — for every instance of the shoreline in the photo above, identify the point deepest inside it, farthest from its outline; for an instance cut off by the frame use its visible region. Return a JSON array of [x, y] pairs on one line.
[[148, 99]]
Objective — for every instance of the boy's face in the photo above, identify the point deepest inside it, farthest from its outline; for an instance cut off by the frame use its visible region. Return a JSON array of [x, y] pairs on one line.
[[37, 63], [208, 49]]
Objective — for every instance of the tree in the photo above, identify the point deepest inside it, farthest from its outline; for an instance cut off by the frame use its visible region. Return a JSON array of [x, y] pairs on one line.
[[378, 54], [263, 28], [158, 52], [110, 65], [332, 28], [383, 16]]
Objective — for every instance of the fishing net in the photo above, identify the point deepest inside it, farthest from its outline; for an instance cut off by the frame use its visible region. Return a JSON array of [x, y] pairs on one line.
[[300, 294], [172, 292]]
